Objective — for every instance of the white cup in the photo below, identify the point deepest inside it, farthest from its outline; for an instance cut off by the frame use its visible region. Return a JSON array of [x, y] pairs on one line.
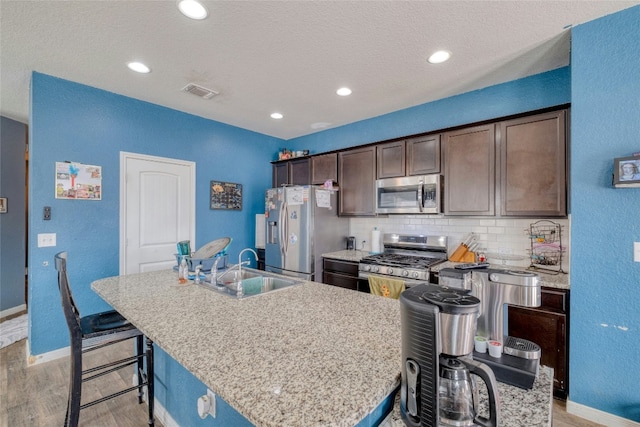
[[495, 348], [480, 344]]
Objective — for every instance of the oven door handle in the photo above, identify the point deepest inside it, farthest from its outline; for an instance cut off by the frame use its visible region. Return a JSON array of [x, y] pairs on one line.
[[420, 195]]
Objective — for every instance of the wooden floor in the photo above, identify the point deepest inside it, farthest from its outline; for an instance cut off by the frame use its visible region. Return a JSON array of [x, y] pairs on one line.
[[37, 396]]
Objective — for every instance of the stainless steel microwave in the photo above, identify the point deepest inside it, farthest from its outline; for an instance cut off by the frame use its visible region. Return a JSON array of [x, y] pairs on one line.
[[409, 195]]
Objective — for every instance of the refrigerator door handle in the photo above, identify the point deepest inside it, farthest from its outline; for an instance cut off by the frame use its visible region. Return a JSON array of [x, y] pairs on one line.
[[283, 230]]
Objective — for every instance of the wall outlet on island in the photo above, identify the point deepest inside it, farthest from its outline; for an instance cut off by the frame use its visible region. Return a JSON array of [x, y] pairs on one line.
[[636, 251]]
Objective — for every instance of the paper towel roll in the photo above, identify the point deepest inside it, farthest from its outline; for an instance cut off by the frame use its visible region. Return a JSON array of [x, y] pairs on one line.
[[375, 241]]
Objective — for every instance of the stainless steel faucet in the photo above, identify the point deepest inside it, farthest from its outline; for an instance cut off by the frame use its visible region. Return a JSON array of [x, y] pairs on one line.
[[247, 262]]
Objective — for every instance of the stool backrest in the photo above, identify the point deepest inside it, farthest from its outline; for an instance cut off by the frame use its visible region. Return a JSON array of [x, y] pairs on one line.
[[71, 312]]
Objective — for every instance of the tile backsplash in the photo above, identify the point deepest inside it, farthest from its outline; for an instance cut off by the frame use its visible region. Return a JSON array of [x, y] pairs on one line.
[[508, 236]]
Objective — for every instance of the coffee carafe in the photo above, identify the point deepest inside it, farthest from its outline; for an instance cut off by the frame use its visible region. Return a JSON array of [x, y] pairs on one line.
[[438, 386]]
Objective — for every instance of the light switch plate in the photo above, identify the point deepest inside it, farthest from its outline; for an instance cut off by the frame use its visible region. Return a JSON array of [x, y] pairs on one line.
[[636, 251], [46, 240]]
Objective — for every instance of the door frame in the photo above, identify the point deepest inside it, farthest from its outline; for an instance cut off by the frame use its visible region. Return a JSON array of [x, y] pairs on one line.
[[124, 156]]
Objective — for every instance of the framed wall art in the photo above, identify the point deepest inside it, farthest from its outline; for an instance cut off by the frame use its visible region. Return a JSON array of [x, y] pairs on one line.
[[626, 172], [78, 182], [226, 195]]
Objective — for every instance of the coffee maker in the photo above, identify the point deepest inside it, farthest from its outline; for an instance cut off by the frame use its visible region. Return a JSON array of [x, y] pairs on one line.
[[438, 389]]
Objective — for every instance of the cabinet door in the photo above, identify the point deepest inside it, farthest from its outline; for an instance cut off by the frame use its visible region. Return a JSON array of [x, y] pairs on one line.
[[423, 155], [280, 174], [469, 182], [356, 178], [324, 167], [299, 172], [533, 167], [391, 159], [548, 330]]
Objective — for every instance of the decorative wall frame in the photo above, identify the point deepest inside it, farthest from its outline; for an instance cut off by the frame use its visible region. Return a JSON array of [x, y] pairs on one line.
[[626, 172], [78, 182], [226, 195], [3, 205]]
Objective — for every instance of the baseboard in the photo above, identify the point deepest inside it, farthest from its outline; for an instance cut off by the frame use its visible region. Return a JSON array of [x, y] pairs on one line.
[[598, 416], [162, 415], [13, 310], [46, 357]]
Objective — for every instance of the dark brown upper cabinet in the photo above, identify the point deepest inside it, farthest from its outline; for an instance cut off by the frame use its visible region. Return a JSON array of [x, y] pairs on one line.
[[357, 179], [391, 159], [292, 172], [423, 155], [533, 165], [324, 167], [413, 156], [469, 181]]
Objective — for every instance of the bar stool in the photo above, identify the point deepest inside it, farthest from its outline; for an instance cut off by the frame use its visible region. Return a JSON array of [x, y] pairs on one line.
[[96, 331]]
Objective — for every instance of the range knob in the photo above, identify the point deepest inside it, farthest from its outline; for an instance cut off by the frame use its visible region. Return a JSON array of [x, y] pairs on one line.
[[390, 271], [375, 269], [367, 268], [415, 274], [405, 273]]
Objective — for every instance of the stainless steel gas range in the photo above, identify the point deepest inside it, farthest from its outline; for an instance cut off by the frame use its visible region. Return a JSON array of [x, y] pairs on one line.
[[406, 257]]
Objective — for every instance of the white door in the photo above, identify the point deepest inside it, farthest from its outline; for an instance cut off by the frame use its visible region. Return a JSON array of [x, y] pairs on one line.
[[157, 210]]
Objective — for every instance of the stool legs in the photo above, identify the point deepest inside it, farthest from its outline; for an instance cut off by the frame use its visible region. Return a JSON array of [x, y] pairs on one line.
[[150, 380], [75, 388], [140, 367]]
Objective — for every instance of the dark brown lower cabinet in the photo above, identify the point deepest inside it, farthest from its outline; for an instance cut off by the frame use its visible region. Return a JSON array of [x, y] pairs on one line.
[[547, 326], [340, 273]]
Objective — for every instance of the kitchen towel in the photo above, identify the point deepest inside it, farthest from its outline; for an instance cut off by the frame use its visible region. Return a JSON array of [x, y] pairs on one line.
[[386, 287]]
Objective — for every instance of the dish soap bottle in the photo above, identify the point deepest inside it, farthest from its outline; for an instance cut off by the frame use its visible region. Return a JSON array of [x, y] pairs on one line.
[[183, 271]]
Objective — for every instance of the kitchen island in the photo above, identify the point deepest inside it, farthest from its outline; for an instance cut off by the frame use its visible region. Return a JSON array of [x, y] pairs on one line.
[[308, 355]]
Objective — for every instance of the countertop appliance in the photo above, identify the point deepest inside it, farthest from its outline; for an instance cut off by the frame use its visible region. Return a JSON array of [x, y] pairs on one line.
[[404, 256], [301, 224], [409, 195], [438, 328], [520, 359]]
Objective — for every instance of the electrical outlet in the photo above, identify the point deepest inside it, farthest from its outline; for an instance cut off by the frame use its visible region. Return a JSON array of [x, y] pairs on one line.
[[46, 240], [636, 251], [46, 213]]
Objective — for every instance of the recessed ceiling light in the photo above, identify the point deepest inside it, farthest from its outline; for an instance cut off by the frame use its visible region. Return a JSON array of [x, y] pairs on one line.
[[192, 9], [439, 57], [138, 67], [276, 116], [344, 91]]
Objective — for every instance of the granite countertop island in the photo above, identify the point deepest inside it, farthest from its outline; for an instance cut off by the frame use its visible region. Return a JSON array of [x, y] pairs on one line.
[[308, 355]]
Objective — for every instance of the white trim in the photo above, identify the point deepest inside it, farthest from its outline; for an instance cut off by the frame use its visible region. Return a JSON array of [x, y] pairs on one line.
[[13, 310], [45, 357], [598, 416], [124, 156], [163, 416]]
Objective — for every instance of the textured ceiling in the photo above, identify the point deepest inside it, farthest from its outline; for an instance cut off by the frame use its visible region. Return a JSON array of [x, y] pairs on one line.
[[285, 56]]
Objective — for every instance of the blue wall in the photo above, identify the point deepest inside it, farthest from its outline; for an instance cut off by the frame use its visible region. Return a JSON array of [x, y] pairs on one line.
[[605, 282], [82, 124], [528, 94], [13, 138]]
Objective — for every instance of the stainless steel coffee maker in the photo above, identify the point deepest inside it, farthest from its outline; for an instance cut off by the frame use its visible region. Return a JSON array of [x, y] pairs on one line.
[[438, 385]]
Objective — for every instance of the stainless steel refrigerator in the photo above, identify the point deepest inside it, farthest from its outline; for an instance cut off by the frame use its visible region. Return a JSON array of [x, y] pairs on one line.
[[302, 223]]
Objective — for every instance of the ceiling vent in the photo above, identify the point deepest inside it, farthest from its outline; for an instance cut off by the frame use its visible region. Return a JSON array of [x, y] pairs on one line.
[[200, 91]]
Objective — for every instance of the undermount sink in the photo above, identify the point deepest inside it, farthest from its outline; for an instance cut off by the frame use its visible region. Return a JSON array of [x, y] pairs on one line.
[[250, 282]]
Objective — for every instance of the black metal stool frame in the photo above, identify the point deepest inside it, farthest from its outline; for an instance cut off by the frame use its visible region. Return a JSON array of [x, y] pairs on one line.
[[94, 332]]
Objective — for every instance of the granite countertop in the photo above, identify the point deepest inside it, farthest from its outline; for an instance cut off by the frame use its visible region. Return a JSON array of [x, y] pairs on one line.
[[558, 281], [309, 355]]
